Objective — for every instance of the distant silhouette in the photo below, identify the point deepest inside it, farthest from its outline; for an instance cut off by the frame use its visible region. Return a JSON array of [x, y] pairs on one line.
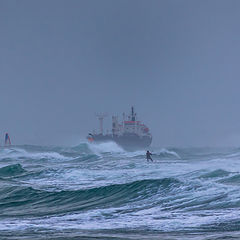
[[7, 140], [148, 156]]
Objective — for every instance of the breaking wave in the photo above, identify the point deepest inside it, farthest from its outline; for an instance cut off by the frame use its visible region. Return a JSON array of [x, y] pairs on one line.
[[105, 188], [18, 153], [107, 196]]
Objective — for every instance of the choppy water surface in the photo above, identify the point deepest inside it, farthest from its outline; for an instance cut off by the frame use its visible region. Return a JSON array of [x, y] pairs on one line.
[[104, 192]]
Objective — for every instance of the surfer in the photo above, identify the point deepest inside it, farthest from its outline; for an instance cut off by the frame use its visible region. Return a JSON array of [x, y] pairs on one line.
[[148, 156], [7, 140]]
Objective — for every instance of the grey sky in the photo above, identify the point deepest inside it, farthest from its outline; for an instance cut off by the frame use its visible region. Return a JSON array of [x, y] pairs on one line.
[[176, 61]]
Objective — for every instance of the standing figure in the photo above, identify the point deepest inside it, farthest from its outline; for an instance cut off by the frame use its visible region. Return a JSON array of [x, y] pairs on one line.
[[148, 156], [7, 140]]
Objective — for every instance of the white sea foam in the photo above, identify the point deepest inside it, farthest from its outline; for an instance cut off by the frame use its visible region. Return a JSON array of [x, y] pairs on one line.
[[18, 153], [134, 154], [106, 147], [161, 210], [165, 151], [154, 219]]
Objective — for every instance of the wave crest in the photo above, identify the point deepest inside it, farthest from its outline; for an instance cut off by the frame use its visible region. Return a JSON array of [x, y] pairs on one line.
[[11, 170], [67, 201]]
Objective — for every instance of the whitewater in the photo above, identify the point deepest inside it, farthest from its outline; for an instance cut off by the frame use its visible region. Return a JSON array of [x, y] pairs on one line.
[[104, 192]]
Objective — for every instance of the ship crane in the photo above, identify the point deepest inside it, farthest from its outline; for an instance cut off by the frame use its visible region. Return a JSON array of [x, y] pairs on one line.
[[100, 117]]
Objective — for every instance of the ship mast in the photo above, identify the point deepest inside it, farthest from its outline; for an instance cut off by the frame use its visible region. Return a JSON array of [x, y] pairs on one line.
[[133, 115]]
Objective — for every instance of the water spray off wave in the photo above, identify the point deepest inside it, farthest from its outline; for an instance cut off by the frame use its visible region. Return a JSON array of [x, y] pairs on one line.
[[101, 190]]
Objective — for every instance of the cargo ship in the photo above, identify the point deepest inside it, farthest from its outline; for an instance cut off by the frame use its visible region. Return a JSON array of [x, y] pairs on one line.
[[130, 133]]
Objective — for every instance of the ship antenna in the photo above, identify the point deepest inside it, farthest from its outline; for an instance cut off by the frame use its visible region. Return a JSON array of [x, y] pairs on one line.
[[100, 117]]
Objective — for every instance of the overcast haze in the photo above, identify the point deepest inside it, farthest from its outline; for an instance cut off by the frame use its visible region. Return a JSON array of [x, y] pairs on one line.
[[176, 61]]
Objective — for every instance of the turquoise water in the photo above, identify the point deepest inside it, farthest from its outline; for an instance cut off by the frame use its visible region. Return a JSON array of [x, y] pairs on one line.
[[103, 192]]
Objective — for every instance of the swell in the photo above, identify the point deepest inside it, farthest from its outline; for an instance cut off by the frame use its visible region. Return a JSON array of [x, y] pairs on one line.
[[235, 180], [24, 201], [11, 170], [215, 174]]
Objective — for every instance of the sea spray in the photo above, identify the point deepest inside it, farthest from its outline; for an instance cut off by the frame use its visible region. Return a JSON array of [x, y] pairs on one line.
[[89, 191]]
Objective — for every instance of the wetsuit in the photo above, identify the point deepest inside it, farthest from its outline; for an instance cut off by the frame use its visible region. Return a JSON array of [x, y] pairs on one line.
[[148, 156], [6, 138]]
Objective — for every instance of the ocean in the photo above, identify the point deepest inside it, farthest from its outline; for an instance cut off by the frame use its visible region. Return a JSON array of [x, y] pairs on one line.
[[103, 192]]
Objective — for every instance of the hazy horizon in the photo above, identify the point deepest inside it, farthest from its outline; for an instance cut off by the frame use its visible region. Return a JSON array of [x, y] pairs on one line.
[[176, 62]]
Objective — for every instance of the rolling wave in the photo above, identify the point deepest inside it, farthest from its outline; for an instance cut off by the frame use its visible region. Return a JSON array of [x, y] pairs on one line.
[[104, 188], [11, 170], [41, 202]]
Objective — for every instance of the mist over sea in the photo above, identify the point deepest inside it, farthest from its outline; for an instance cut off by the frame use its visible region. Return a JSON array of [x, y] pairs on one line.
[[103, 192]]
